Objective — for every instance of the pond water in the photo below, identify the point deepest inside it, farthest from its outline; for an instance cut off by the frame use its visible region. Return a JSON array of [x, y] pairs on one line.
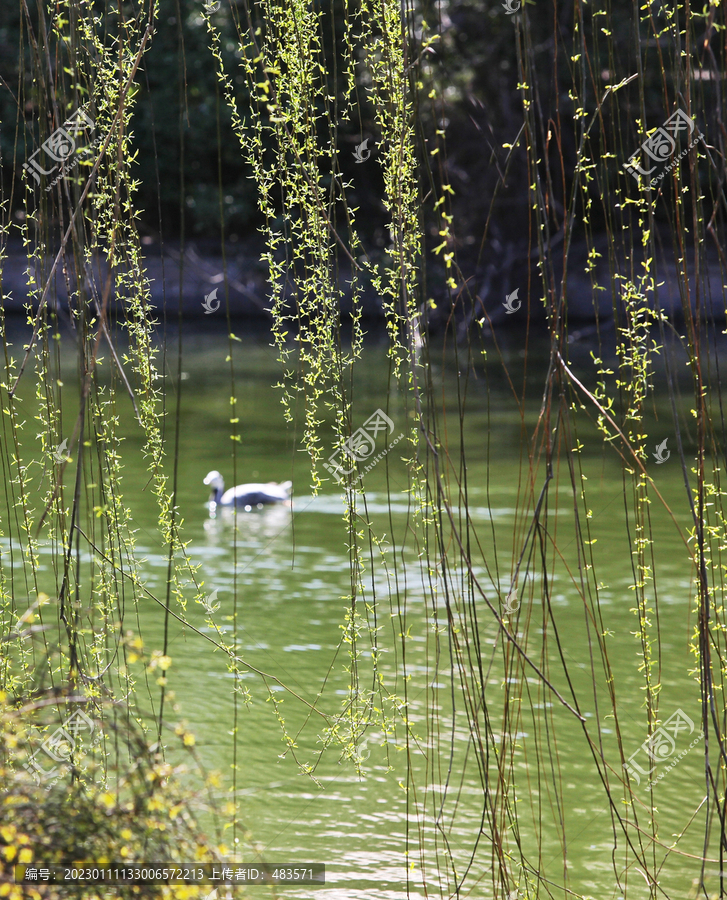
[[291, 572]]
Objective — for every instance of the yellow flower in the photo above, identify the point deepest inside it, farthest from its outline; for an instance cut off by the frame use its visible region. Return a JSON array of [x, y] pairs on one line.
[[157, 659], [9, 853], [26, 855], [8, 832], [188, 740], [126, 834]]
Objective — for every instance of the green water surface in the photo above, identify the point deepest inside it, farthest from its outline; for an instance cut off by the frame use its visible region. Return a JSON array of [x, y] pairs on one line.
[[292, 573]]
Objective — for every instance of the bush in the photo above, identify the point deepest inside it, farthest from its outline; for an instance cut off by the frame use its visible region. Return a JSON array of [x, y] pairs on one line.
[[135, 811]]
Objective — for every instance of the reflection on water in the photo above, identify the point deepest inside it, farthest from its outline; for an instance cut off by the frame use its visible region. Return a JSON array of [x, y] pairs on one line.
[[259, 525]]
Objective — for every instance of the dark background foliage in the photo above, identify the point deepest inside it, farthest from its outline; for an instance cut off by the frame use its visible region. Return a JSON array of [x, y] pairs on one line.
[[193, 175]]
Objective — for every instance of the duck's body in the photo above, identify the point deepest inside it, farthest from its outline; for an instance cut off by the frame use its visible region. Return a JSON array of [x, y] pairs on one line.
[[246, 495]]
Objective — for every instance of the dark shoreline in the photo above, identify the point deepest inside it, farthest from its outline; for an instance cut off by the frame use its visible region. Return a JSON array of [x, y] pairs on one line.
[[202, 269]]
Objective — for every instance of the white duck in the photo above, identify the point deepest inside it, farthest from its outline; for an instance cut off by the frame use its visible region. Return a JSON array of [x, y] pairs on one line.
[[246, 495]]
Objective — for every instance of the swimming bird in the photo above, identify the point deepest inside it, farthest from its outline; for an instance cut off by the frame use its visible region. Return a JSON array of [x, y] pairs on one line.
[[246, 495]]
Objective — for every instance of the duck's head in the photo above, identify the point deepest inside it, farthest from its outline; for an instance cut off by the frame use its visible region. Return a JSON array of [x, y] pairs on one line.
[[215, 481]]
